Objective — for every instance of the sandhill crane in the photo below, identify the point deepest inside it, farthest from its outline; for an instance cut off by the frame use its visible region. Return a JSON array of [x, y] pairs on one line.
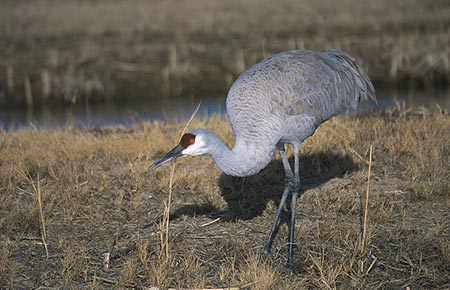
[[281, 100]]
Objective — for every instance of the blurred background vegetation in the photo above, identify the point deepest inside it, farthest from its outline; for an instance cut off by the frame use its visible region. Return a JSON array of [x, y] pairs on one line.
[[95, 51]]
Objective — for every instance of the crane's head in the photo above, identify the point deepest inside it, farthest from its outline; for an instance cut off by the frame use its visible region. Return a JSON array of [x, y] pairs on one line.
[[191, 144]]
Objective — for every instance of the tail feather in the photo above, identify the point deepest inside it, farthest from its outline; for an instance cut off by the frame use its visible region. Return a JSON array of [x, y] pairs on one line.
[[365, 86]]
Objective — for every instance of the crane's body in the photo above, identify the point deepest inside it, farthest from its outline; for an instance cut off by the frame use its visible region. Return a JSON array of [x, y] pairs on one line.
[[281, 100]]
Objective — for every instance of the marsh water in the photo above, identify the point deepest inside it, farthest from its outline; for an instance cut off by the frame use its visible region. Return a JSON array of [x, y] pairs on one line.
[[130, 111]]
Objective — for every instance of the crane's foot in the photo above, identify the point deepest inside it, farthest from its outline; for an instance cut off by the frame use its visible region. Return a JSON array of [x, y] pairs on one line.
[[265, 255], [264, 252], [290, 261]]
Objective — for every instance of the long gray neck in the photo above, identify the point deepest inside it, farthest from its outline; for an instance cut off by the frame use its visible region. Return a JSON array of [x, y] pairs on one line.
[[246, 158]]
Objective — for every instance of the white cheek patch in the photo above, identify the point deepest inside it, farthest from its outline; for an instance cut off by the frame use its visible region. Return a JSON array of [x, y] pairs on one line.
[[188, 151], [197, 148]]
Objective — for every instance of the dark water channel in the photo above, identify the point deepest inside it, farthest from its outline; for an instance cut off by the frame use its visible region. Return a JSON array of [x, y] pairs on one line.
[[129, 112]]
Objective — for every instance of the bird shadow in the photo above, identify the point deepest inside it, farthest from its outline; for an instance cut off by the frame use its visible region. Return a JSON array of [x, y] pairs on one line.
[[247, 197]]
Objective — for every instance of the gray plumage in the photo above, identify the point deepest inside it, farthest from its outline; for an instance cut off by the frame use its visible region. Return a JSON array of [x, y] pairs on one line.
[[289, 94], [281, 100]]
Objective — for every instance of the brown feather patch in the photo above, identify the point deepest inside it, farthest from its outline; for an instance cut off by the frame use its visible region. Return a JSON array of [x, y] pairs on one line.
[[187, 139]]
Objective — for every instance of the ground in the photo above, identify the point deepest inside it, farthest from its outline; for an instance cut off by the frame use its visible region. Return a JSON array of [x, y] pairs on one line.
[[84, 192]]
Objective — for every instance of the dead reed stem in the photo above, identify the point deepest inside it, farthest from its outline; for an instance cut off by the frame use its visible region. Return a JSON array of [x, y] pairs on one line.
[[37, 189], [10, 79], [46, 82], [28, 93], [167, 212], [366, 205], [38, 193], [166, 216]]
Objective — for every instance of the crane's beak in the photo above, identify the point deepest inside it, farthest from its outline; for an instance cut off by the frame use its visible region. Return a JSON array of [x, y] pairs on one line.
[[172, 154]]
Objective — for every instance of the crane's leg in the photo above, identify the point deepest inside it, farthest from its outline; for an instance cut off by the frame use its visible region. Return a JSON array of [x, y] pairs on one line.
[[294, 192], [287, 190]]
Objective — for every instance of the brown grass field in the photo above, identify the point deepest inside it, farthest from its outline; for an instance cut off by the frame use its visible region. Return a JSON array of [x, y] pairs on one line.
[[69, 195], [77, 210], [73, 51]]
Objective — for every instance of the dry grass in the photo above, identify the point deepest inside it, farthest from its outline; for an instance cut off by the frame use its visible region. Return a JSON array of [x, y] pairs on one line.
[[96, 200], [97, 49]]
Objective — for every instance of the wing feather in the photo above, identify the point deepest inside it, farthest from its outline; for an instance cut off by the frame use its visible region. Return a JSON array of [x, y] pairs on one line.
[[310, 85], [327, 83]]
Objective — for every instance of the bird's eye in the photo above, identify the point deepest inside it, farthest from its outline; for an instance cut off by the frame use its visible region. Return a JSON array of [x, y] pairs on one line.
[[187, 139]]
